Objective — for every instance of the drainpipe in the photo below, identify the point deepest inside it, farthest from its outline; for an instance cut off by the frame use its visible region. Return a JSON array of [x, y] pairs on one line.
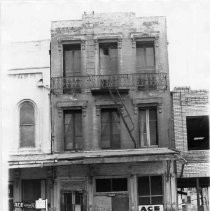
[[51, 115]]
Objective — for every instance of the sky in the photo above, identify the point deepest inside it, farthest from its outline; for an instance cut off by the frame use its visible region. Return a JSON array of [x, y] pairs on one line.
[[188, 28]]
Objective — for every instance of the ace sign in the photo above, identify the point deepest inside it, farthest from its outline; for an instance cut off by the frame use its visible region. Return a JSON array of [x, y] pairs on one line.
[[151, 208]]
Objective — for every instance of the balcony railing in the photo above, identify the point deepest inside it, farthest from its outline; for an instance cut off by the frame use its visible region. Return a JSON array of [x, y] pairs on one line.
[[138, 81]]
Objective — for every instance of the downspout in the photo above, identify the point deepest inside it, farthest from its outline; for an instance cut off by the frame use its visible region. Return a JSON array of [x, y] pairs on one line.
[[51, 115]]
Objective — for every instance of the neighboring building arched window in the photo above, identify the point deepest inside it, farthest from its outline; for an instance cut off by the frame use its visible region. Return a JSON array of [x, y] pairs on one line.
[[27, 125]]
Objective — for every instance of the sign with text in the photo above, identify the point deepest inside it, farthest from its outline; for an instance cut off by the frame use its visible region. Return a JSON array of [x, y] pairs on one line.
[[24, 205], [151, 208], [41, 204]]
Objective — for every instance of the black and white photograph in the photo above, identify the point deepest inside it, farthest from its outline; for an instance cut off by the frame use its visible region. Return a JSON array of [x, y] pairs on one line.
[[105, 105]]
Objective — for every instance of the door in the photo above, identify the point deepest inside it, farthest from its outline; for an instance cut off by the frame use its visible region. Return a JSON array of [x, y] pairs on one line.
[[72, 201]]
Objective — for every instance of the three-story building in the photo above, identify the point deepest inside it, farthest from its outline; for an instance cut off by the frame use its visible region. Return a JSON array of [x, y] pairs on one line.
[[111, 114]]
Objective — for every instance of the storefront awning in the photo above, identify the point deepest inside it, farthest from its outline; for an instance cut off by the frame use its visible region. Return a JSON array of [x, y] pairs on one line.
[[92, 157]]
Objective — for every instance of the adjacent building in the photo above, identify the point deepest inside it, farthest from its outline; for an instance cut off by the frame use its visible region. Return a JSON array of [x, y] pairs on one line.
[[26, 125], [191, 133]]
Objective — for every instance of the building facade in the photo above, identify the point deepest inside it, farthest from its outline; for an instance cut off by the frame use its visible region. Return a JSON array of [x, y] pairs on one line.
[[111, 116], [110, 146], [191, 129], [26, 125]]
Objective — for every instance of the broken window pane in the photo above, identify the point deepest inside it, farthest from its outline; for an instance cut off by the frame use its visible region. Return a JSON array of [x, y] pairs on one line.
[[198, 132], [108, 58]]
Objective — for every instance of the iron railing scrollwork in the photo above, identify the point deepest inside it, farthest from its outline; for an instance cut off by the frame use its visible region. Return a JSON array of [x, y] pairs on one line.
[[139, 81]]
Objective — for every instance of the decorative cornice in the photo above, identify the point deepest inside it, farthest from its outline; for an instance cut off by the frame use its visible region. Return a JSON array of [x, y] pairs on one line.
[[74, 105], [144, 102], [71, 39], [144, 36], [108, 36]]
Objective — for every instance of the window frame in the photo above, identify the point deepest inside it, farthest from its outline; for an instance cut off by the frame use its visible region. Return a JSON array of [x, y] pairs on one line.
[[67, 45], [110, 109], [73, 111], [111, 192], [108, 41], [42, 189], [147, 108], [145, 44], [190, 147], [34, 124], [150, 195]]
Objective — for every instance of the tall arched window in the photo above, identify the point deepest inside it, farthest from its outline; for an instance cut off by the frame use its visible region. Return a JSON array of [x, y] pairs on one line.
[[27, 125]]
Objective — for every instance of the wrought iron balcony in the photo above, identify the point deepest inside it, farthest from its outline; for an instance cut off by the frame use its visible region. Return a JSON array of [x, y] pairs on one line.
[[138, 81]]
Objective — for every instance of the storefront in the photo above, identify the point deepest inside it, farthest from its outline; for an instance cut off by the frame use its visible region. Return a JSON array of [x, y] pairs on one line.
[[118, 181]]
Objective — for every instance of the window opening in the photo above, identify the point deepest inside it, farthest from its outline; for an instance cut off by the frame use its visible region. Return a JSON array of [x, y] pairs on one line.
[[197, 132], [145, 56], [27, 125], [110, 129], [73, 201], [148, 126], [72, 60], [73, 136], [111, 185], [31, 191], [150, 190], [108, 58]]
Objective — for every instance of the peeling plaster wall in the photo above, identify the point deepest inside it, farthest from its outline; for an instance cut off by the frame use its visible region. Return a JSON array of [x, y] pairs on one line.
[[123, 27]]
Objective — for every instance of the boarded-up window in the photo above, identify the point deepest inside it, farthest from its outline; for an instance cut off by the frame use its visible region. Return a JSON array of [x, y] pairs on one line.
[[198, 132], [148, 126], [150, 190], [119, 201], [145, 55], [108, 58], [27, 125], [73, 136], [31, 191], [72, 60], [110, 129]]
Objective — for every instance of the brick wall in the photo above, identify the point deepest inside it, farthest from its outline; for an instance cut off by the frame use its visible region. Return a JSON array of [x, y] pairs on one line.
[[187, 102]]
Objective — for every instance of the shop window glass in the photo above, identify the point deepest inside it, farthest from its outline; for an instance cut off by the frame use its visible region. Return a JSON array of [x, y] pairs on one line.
[[150, 191], [111, 185]]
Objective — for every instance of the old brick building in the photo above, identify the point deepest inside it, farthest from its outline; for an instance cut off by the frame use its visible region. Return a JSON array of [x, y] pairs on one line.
[[191, 130], [111, 119], [111, 130]]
